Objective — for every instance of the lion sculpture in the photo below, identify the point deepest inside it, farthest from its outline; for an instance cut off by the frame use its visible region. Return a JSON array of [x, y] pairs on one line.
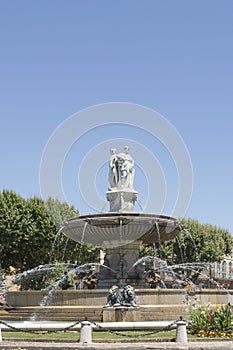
[[126, 298], [114, 297]]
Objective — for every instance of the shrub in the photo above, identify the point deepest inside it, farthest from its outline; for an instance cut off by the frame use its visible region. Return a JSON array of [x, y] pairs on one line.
[[206, 321]]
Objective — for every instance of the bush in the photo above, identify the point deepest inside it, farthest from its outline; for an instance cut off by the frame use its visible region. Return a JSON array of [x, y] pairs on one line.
[[207, 322]]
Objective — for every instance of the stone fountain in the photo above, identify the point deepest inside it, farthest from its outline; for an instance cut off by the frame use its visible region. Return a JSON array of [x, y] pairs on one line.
[[119, 233]]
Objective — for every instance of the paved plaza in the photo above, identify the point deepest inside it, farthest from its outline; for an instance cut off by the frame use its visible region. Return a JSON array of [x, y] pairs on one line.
[[192, 345]]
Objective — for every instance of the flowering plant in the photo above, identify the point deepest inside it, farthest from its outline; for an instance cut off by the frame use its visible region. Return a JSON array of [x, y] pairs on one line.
[[206, 321]]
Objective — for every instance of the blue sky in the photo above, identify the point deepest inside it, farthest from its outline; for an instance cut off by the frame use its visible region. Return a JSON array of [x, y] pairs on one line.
[[175, 57]]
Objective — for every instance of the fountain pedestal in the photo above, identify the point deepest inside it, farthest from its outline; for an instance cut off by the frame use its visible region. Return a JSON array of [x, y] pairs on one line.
[[120, 257], [121, 200], [121, 314]]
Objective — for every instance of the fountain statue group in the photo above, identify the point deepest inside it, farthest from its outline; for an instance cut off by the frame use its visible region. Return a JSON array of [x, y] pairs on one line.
[[121, 170], [121, 195]]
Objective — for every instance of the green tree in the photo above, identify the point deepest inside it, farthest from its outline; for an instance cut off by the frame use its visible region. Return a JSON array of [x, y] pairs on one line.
[[26, 231], [39, 232], [206, 243], [59, 212], [28, 228], [66, 249], [12, 223], [195, 243]]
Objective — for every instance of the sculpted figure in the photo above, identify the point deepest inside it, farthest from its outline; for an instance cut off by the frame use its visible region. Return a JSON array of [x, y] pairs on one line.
[[64, 282], [121, 169], [129, 298], [90, 280], [126, 169], [126, 298], [153, 279], [114, 297], [113, 169]]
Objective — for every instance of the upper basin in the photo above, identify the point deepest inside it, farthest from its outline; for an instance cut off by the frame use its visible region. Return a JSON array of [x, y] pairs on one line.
[[102, 229]]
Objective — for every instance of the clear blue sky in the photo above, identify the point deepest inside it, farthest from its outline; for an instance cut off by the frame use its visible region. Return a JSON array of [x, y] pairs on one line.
[[175, 57]]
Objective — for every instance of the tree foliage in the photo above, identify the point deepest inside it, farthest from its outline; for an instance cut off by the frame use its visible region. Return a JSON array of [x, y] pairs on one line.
[[13, 229], [196, 243], [28, 228], [206, 243], [66, 249], [59, 212]]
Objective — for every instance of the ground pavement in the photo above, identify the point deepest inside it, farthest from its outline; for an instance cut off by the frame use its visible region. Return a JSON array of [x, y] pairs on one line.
[[191, 345]]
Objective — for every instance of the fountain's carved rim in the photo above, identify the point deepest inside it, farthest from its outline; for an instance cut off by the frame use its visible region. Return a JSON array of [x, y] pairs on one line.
[[99, 228], [125, 216]]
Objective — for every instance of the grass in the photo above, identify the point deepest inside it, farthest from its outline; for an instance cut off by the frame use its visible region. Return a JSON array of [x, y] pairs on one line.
[[97, 335]]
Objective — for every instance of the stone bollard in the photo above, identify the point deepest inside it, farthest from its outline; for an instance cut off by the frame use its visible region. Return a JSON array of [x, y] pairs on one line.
[[85, 337], [181, 331]]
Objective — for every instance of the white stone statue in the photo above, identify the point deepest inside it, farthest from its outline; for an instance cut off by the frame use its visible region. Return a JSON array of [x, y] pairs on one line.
[[121, 170], [113, 171]]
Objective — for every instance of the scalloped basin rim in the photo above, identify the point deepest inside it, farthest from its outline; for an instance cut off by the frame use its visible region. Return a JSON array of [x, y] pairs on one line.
[[125, 217], [97, 228], [124, 214]]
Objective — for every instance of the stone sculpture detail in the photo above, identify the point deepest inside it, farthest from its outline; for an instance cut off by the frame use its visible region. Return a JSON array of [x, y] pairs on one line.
[[153, 278], [121, 195], [129, 298], [114, 297], [126, 298], [121, 170]]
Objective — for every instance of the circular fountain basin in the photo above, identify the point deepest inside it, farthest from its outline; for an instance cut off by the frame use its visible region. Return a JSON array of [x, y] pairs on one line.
[[100, 229]]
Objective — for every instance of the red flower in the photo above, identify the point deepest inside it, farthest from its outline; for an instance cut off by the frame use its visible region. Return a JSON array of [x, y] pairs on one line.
[[208, 316]]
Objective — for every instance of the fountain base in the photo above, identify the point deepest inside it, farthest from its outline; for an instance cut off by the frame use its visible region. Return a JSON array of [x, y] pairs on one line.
[[73, 305], [122, 314]]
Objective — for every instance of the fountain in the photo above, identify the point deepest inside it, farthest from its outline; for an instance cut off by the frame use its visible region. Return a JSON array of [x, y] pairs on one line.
[[121, 231], [120, 289]]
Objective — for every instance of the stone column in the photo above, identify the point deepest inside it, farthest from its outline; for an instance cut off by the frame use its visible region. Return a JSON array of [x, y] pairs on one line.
[[181, 331], [85, 337], [121, 259]]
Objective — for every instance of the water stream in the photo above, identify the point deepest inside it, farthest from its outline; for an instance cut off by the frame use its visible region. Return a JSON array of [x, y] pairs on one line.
[[56, 241]]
